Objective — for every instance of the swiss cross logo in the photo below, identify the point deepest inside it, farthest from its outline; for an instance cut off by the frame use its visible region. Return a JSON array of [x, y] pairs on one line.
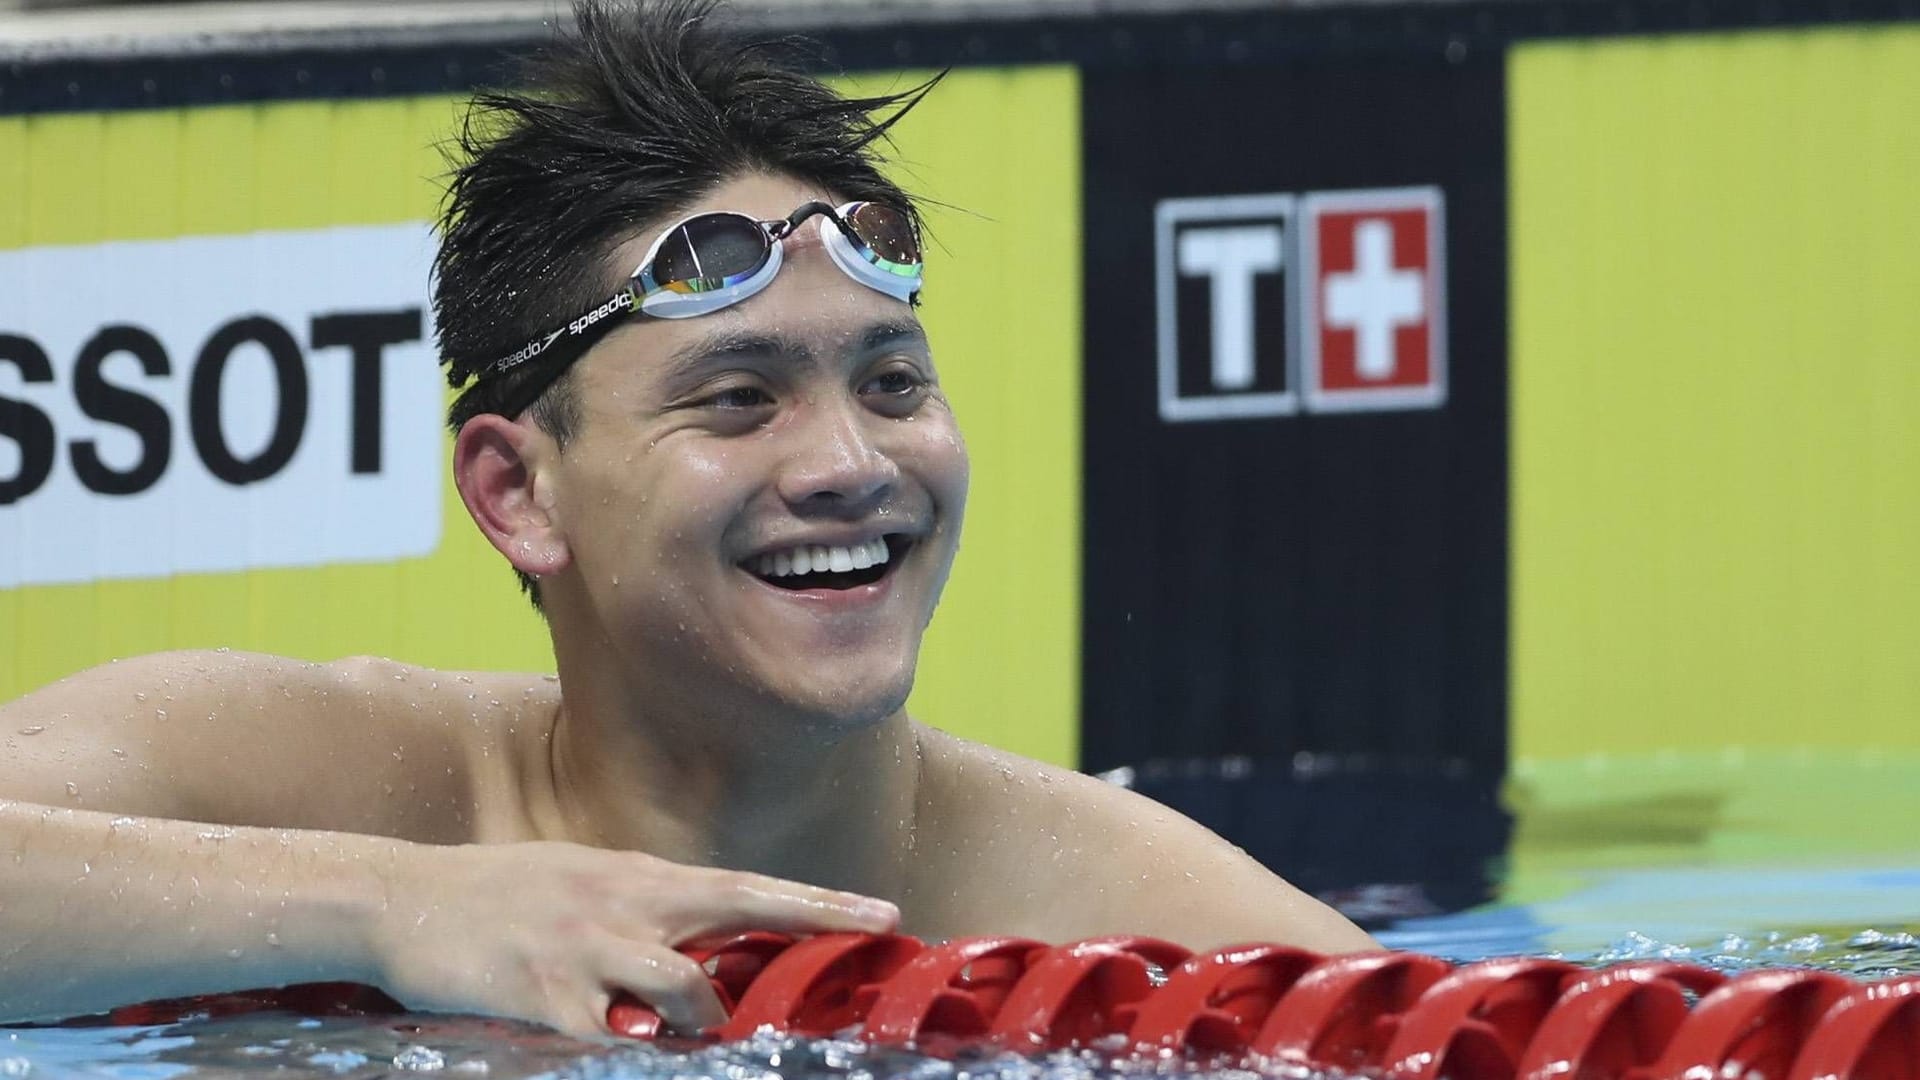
[[1373, 333], [1333, 301]]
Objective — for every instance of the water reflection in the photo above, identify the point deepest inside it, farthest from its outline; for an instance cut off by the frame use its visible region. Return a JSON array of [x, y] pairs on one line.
[[293, 1048], [1806, 866]]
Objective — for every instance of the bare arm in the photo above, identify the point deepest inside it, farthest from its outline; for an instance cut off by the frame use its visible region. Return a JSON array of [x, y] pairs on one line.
[[113, 890], [98, 910]]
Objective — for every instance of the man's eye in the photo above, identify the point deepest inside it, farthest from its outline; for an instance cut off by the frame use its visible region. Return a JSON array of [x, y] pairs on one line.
[[895, 383], [739, 397]]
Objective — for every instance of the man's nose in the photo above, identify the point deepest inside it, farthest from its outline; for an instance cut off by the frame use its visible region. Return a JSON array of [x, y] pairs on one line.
[[836, 466]]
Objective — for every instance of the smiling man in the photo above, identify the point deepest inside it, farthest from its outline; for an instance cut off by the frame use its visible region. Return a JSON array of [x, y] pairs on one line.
[[703, 424]]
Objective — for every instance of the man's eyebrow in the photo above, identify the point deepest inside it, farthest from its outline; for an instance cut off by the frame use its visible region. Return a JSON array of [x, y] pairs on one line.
[[734, 344], [739, 344], [892, 334]]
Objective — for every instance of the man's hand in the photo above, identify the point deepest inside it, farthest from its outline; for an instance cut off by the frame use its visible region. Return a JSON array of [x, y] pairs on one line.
[[550, 932]]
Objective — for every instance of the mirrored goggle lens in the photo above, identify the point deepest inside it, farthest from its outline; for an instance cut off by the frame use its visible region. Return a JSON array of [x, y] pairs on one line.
[[886, 232], [711, 251]]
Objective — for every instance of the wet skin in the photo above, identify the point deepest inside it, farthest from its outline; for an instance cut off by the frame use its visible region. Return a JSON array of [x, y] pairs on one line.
[[811, 413], [709, 713], [526, 845]]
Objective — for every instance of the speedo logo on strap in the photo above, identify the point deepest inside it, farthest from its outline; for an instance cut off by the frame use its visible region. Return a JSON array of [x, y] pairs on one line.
[[531, 350], [623, 302]]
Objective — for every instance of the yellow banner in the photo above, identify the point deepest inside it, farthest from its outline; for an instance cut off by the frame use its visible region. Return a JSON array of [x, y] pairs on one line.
[[109, 198], [1716, 392]]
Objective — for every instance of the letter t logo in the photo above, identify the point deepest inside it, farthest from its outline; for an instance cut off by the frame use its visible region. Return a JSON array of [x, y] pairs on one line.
[[1230, 257], [1222, 266]]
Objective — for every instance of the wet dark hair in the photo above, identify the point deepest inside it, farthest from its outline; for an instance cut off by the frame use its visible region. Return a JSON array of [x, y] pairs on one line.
[[646, 106]]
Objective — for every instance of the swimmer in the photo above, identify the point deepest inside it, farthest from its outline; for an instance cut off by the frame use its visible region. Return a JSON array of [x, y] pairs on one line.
[[702, 423]]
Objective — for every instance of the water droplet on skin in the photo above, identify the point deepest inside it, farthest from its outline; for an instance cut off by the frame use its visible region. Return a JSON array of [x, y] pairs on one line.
[[73, 789], [34, 730], [139, 695]]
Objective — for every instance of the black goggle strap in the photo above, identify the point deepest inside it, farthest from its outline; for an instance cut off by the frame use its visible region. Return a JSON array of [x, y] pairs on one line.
[[558, 350]]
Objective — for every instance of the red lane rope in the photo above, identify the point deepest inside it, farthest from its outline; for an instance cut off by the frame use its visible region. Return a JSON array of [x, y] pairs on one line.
[[1401, 1015]]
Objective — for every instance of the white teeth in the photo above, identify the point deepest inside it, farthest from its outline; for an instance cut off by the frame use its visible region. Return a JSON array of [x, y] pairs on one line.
[[814, 559]]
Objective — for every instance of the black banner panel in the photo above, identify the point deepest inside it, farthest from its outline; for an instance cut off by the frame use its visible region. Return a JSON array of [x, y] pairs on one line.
[[1296, 385]]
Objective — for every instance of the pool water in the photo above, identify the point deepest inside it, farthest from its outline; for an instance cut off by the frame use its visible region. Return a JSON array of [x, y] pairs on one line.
[[290, 1047], [1573, 876]]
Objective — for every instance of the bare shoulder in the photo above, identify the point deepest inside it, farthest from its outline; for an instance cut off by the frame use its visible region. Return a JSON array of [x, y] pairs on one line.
[[1089, 857], [359, 744]]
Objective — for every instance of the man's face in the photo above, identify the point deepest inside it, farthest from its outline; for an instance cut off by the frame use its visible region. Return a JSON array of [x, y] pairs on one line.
[[719, 455]]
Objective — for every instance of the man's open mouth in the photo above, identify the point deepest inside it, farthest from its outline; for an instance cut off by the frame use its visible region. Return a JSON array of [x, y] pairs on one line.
[[811, 566]]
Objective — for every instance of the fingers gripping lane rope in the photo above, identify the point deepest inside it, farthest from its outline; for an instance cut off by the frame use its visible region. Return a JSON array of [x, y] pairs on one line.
[[1402, 1015]]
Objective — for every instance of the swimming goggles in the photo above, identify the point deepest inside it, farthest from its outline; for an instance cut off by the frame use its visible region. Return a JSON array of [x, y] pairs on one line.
[[713, 260]]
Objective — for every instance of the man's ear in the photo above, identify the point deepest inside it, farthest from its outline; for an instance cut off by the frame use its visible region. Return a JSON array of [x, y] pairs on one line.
[[501, 468]]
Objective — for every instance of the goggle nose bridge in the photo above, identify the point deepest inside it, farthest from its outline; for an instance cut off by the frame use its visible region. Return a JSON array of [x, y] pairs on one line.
[[780, 228]]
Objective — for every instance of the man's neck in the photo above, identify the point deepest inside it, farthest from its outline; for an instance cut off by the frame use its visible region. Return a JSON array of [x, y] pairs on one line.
[[789, 799]]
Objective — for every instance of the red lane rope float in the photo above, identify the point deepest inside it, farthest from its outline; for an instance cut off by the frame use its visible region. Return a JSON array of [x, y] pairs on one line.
[[951, 991], [1400, 1015], [1215, 1003], [1478, 1020]]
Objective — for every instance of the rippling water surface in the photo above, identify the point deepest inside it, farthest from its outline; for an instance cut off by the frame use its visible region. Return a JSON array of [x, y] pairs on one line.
[[1732, 869], [283, 1046]]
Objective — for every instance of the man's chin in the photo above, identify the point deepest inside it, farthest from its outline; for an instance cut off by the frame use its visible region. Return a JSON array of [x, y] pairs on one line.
[[852, 702]]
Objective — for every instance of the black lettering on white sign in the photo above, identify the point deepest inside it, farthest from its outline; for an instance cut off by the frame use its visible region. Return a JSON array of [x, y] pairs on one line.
[[365, 335]]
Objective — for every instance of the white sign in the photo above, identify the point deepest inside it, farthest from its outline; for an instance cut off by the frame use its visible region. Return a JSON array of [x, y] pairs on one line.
[[1327, 301], [213, 404], [1235, 249]]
